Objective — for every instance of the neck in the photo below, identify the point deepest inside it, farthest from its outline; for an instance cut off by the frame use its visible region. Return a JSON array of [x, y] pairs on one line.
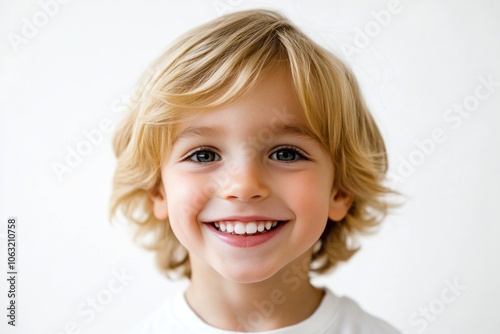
[[282, 300]]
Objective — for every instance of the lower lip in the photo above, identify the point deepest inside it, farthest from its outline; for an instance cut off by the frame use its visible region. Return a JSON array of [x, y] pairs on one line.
[[246, 241]]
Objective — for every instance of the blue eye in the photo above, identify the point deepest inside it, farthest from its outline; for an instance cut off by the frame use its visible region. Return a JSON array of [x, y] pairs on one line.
[[287, 155], [204, 156]]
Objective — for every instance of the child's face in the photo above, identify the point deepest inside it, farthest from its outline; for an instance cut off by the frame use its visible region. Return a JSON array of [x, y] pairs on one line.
[[245, 166]]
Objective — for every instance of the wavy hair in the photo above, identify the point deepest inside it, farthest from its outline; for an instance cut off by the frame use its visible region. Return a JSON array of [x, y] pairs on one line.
[[215, 64]]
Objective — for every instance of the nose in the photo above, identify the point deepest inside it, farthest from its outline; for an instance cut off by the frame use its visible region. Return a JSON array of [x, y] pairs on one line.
[[247, 182]]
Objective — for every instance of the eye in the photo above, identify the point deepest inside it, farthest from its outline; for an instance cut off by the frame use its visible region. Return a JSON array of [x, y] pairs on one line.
[[203, 155], [287, 154]]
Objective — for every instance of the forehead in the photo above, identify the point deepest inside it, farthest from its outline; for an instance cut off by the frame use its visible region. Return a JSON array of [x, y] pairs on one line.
[[272, 103]]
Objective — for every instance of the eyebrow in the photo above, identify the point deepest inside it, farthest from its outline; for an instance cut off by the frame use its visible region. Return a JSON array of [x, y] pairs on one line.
[[277, 130], [199, 131], [295, 130]]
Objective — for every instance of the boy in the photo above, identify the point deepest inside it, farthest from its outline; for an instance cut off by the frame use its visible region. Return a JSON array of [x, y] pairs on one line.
[[251, 159]]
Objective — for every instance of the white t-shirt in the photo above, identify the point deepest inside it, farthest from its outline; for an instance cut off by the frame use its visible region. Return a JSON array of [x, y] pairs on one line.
[[335, 315]]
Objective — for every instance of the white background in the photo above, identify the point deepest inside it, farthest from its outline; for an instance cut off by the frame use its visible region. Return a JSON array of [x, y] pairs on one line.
[[77, 69]]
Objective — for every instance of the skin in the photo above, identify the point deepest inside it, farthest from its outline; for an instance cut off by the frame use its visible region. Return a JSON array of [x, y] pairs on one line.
[[233, 161]]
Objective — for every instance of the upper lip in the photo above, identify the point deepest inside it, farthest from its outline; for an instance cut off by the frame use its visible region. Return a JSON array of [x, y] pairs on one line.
[[246, 219]]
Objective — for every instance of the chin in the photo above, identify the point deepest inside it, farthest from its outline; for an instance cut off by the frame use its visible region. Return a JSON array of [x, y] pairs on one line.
[[247, 274]]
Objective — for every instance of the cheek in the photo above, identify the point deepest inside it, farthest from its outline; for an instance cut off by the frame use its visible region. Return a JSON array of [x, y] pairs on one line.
[[186, 190], [185, 198], [308, 195], [308, 190]]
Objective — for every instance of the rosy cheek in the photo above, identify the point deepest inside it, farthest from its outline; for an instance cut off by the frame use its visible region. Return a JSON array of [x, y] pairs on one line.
[[185, 194], [308, 195]]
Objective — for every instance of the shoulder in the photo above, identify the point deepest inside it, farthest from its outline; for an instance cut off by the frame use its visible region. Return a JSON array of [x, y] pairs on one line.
[[351, 318]]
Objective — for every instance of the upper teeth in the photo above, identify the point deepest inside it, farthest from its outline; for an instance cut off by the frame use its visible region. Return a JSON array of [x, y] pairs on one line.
[[245, 228]]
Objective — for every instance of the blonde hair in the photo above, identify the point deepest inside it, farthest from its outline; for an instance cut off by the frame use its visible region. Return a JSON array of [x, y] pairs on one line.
[[215, 64]]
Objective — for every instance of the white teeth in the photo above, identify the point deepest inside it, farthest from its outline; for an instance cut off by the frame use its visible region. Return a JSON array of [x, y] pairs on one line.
[[239, 228], [251, 228]]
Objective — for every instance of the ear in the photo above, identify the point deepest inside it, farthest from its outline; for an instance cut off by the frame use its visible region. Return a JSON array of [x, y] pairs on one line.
[[340, 203], [158, 201]]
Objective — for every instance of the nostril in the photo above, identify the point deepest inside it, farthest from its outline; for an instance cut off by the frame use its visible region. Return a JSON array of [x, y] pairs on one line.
[[246, 193]]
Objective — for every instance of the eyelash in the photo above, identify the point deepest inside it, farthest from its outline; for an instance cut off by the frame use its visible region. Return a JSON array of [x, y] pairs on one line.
[[299, 154], [191, 154]]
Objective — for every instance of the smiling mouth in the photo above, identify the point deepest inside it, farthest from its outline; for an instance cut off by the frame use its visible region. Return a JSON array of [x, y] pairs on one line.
[[247, 228]]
